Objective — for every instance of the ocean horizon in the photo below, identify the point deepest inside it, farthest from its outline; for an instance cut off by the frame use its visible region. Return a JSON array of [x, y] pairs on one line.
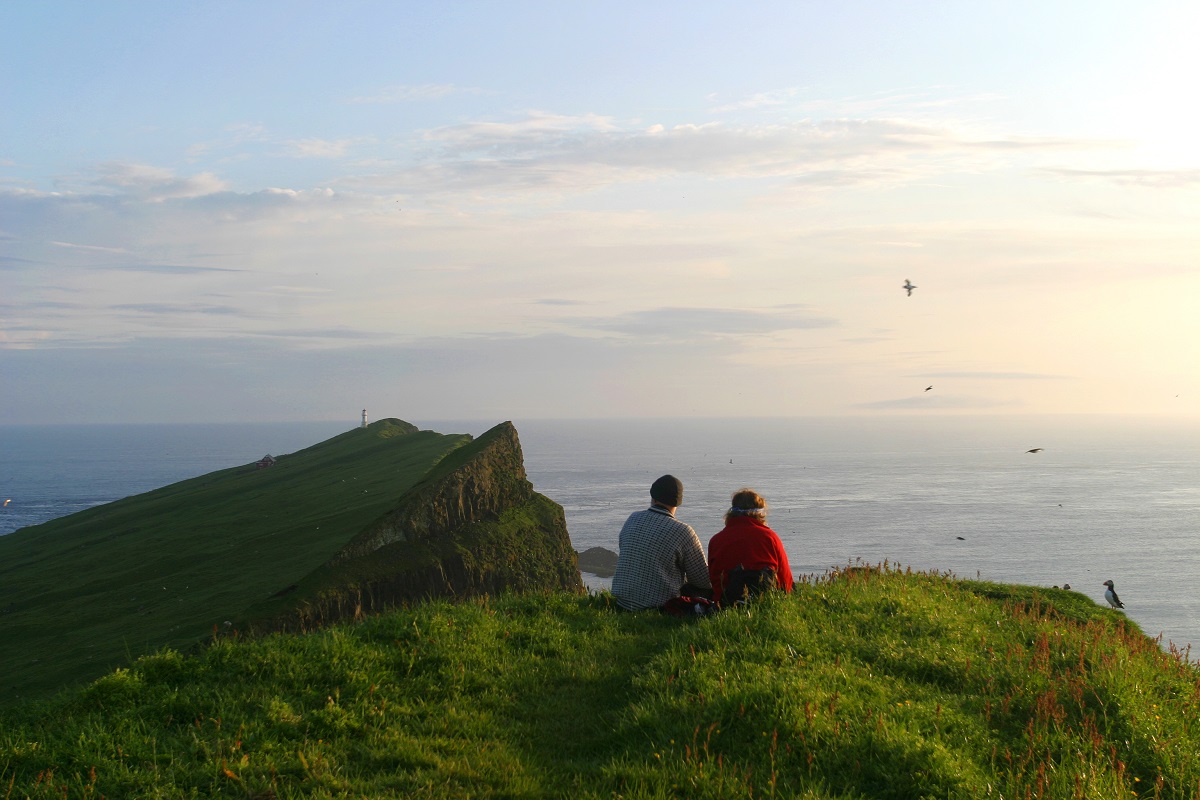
[[1103, 498]]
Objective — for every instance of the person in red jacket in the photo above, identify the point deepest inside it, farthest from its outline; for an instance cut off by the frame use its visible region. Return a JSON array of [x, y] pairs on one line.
[[747, 557]]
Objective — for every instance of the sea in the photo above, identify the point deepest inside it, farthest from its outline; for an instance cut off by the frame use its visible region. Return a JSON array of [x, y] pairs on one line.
[[1102, 497]]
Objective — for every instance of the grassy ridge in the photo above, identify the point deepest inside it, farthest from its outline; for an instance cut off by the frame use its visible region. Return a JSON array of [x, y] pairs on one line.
[[82, 594], [874, 684]]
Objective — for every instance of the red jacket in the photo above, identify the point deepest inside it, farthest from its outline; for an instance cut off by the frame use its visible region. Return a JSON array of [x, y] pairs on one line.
[[746, 541]]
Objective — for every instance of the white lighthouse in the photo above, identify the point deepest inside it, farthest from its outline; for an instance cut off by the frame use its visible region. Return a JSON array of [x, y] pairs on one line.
[[364, 422]]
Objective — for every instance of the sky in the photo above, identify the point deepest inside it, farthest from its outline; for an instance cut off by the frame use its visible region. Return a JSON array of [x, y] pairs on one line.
[[228, 211]]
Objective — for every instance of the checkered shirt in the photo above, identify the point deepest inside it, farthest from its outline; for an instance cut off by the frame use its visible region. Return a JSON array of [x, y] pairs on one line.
[[658, 555]]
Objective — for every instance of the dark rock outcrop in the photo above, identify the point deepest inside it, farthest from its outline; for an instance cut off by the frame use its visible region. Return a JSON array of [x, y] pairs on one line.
[[599, 561]]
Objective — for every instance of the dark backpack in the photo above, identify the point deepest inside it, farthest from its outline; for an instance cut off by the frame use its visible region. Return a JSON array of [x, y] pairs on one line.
[[688, 607], [742, 585]]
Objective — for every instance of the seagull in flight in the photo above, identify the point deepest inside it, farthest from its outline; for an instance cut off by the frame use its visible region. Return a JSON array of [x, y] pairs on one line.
[[1110, 594], [1035, 450], [908, 286], [927, 388]]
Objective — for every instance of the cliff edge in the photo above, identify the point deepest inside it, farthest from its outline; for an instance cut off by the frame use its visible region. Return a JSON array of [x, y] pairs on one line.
[[473, 526], [474, 483]]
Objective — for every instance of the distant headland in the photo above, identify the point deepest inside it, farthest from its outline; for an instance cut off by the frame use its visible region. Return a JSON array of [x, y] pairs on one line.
[[380, 516]]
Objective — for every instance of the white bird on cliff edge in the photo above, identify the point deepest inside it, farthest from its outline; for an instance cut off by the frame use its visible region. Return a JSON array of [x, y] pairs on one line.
[[1110, 594], [908, 286]]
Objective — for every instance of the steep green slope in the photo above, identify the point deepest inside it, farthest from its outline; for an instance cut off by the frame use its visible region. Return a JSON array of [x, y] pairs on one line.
[[81, 594], [473, 525], [870, 684]]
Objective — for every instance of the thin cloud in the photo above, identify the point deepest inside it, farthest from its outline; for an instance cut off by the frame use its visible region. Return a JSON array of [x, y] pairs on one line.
[[161, 269], [520, 133], [247, 132], [255, 141], [774, 98], [285, 291], [692, 323], [235, 135], [154, 184], [43, 305], [176, 308], [94, 247], [1152, 178], [407, 93], [854, 176], [908, 103], [935, 403], [545, 151], [997, 376], [166, 269], [318, 148], [12, 262], [338, 334]]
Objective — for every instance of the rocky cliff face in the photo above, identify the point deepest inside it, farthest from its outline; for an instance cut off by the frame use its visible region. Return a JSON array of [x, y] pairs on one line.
[[473, 526], [472, 486]]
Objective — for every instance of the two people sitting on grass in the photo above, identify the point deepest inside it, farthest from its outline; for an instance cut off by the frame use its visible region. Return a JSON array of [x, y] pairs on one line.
[[661, 560]]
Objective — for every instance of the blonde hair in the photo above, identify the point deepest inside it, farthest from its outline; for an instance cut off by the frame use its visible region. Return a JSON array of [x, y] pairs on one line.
[[747, 503]]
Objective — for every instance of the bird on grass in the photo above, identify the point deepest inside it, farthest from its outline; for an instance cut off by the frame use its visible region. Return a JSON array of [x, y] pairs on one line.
[[1110, 594], [908, 286]]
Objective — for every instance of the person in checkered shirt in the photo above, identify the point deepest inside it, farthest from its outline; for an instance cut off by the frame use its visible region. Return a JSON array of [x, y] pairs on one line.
[[659, 557]]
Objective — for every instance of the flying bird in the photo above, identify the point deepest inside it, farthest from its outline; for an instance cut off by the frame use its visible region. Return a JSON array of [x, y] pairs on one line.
[[927, 388], [1110, 594], [908, 286], [1035, 450]]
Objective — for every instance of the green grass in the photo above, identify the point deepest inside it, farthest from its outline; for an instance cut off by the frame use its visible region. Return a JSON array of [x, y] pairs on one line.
[[87, 592], [873, 684]]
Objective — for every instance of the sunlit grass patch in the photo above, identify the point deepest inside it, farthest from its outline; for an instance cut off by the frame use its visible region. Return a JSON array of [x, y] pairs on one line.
[[873, 684]]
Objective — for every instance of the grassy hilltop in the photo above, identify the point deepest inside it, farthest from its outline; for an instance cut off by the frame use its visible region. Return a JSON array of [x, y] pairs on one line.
[[318, 536], [871, 684]]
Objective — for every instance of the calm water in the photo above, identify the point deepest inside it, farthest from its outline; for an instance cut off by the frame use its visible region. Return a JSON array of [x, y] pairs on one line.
[[1107, 497], [49, 471]]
